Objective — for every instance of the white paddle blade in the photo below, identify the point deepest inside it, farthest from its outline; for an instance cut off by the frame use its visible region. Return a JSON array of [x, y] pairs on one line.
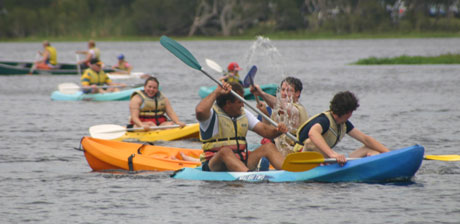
[[213, 65], [107, 131], [68, 88]]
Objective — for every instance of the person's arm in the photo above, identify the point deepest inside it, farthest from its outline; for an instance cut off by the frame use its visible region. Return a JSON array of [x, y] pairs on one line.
[[134, 110], [270, 131], [203, 109], [316, 137], [171, 114], [368, 141], [257, 91]]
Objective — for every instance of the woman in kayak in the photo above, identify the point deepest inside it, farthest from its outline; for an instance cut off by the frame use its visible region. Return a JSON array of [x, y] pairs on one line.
[[148, 107], [323, 131]]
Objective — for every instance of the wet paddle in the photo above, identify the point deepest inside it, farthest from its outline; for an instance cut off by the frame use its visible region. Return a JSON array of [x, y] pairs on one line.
[[113, 131], [185, 56], [303, 161]]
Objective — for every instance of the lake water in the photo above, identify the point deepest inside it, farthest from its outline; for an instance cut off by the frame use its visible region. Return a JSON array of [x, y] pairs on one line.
[[44, 179]]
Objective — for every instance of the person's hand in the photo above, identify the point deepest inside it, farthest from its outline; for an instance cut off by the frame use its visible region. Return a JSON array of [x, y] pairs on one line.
[[282, 128], [181, 124], [341, 159], [256, 90], [225, 88], [262, 107]]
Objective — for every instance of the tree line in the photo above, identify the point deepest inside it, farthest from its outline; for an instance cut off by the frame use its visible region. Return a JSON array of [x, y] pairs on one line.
[[121, 18]]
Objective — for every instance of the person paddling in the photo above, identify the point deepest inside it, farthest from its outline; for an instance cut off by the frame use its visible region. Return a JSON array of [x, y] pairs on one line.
[[92, 53], [232, 73], [94, 78], [224, 123], [323, 131], [122, 66], [148, 107], [49, 57]]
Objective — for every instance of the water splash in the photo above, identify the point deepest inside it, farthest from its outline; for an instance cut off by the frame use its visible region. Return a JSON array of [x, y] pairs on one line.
[[266, 57]]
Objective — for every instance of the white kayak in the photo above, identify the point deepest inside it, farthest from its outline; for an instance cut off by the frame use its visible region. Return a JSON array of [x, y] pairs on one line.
[[132, 75]]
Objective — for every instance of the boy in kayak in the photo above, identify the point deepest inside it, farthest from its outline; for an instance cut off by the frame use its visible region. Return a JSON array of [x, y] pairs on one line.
[[285, 108], [94, 77], [323, 131], [92, 53], [232, 73], [223, 128]]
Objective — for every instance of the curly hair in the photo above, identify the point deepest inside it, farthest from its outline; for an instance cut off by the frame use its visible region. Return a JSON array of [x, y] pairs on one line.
[[294, 82], [222, 99], [343, 103]]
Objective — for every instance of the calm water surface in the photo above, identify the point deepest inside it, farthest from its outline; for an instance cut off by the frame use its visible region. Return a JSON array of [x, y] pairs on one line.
[[45, 180]]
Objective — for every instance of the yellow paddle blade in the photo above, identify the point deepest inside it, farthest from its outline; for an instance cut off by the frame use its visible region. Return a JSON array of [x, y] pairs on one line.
[[443, 157], [302, 161]]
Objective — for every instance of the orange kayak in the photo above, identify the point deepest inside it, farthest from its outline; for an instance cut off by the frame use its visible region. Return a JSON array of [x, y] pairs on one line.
[[115, 155]]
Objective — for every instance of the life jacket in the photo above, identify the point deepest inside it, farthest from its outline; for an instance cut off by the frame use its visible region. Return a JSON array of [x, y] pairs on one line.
[[303, 116], [151, 107], [90, 77], [332, 136], [97, 53], [52, 58], [232, 133], [235, 79]]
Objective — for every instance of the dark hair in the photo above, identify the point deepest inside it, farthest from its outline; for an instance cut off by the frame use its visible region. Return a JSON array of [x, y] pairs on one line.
[[222, 99], [343, 103], [151, 78], [294, 82]]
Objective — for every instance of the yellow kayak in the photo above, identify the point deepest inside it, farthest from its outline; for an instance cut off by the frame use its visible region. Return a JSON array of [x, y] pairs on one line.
[[189, 131]]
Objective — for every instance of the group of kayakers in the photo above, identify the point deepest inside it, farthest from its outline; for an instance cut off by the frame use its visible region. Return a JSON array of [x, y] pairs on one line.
[[224, 124]]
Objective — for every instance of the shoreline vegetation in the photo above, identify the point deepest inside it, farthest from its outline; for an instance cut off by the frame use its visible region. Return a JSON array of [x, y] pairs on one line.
[[296, 35], [411, 60]]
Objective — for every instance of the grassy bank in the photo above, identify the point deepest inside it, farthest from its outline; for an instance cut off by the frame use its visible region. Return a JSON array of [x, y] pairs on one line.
[[294, 35], [411, 60]]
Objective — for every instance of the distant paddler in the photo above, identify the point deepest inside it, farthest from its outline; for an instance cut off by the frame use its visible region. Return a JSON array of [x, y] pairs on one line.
[[122, 67], [148, 107], [91, 53], [94, 79], [49, 57]]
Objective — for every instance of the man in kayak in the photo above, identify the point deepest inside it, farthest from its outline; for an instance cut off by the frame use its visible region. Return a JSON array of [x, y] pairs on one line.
[[232, 73], [49, 57], [286, 108], [91, 53], [94, 77], [148, 107], [323, 131], [223, 129]]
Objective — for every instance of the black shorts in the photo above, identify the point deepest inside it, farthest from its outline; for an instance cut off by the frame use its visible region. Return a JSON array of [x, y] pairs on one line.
[[205, 166]]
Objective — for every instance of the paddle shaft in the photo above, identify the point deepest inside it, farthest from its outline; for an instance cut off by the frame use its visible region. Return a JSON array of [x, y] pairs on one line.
[[249, 105], [78, 64]]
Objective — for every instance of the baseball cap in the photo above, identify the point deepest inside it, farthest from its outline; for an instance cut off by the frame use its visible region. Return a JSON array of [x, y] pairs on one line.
[[121, 56], [95, 61], [233, 66]]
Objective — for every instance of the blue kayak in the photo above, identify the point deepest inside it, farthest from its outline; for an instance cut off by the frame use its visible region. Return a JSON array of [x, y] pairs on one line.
[[397, 165], [121, 95], [268, 88]]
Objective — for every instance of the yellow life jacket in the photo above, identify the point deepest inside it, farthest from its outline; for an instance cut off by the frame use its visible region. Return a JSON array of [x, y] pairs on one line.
[[232, 133], [332, 136], [52, 58], [151, 107], [235, 78], [90, 77]]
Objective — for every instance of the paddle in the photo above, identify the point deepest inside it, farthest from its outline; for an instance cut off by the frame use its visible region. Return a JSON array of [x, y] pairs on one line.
[[78, 64], [185, 56], [34, 64], [113, 131], [450, 158], [72, 88], [303, 161], [213, 65]]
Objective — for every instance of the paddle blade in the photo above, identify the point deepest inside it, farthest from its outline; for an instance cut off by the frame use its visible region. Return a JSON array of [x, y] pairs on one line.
[[249, 79], [180, 52], [302, 161], [450, 158], [107, 131], [68, 88], [214, 66]]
